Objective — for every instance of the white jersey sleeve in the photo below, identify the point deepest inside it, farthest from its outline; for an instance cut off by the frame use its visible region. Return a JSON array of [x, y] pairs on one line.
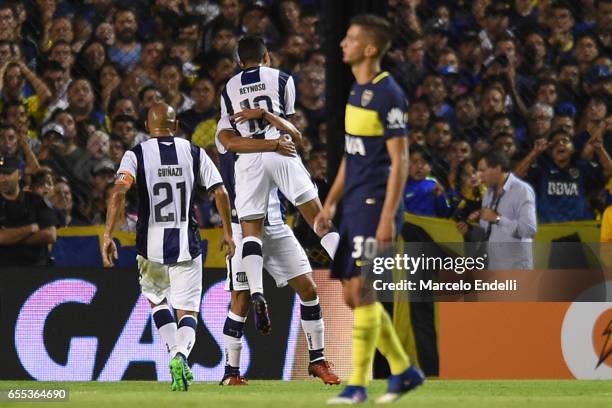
[[289, 97], [128, 164], [209, 175], [224, 123]]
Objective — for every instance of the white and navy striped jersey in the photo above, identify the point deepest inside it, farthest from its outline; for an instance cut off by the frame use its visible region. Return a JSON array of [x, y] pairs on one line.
[[259, 87], [167, 170]]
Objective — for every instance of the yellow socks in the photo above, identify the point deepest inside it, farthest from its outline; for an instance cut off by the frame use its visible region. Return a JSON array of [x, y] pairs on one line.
[[366, 330], [389, 344]]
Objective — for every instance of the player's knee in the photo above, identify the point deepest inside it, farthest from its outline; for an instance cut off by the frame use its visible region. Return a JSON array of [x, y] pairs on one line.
[[308, 292], [240, 302]]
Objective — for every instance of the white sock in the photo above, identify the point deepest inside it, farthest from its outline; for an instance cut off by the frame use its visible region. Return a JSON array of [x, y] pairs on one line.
[[252, 260], [314, 328], [234, 326], [166, 326], [186, 334], [330, 243]]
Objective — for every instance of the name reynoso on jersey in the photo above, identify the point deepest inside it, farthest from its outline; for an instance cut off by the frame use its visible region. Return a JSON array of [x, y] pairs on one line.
[[252, 88]]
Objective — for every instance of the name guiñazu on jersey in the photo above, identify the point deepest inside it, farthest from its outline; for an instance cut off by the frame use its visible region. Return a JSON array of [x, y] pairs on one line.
[[252, 88], [170, 172]]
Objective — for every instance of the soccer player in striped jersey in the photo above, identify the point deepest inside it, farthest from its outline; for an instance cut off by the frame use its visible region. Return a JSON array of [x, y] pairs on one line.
[[283, 258], [371, 179], [251, 102], [167, 171]]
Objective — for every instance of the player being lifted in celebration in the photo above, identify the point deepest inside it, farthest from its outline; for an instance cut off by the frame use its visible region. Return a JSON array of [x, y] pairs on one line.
[[167, 171], [283, 258], [371, 179], [257, 173]]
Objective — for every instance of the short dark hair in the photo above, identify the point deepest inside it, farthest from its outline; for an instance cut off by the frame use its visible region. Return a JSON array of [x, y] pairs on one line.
[[39, 176], [416, 149], [251, 48], [379, 27], [501, 115], [172, 62], [5, 126], [222, 25], [494, 158], [11, 104], [124, 119], [504, 134], [557, 132], [146, 89]]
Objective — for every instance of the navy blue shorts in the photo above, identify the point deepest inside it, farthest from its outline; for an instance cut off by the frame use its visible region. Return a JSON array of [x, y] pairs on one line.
[[358, 241]]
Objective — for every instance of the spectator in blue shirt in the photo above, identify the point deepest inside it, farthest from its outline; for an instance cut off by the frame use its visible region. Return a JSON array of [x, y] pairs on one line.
[[423, 195], [563, 182], [126, 51]]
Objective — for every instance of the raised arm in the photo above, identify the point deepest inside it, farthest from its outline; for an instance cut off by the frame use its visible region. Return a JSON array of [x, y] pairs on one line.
[[41, 89], [522, 168]]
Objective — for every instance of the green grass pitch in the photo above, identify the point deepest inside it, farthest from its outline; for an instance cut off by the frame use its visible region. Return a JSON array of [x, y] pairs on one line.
[[295, 394]]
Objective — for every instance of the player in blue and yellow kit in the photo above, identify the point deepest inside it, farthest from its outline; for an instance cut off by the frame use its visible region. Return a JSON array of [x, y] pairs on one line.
[[371, 180]]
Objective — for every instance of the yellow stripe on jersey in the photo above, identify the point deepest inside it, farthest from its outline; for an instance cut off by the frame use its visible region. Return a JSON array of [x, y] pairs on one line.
[[380, 77], [362, 122]]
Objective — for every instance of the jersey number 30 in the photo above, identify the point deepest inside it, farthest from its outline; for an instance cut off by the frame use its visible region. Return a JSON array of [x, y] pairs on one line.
[[167, 190]]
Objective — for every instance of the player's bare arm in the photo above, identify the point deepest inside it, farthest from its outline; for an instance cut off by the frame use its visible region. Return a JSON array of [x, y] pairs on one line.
[[234, 143], [398, 152], [278, 122], [223, 206], [115, 202], [322, 223]]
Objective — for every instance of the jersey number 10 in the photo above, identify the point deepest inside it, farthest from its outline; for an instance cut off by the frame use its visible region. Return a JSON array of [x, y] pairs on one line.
[[257, 125], [157, 191]]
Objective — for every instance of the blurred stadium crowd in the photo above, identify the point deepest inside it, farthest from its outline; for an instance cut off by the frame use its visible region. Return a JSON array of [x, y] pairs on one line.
[[530, 78]]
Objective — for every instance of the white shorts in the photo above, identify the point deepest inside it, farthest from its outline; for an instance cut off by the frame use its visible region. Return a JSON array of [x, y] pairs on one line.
[[283, 257], [258, 173], [180, 283]]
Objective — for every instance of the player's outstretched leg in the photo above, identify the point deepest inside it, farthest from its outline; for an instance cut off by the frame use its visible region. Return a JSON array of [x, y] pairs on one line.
[[329, 237], [314, 328], [252, 260], [404, 377], [233, 330]]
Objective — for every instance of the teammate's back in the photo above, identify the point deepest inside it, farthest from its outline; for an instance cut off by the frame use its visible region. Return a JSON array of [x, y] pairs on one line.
[[258, 87], [167, 170]]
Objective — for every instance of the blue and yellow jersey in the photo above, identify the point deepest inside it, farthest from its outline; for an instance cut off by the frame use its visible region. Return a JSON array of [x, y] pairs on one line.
[[375, 112]]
